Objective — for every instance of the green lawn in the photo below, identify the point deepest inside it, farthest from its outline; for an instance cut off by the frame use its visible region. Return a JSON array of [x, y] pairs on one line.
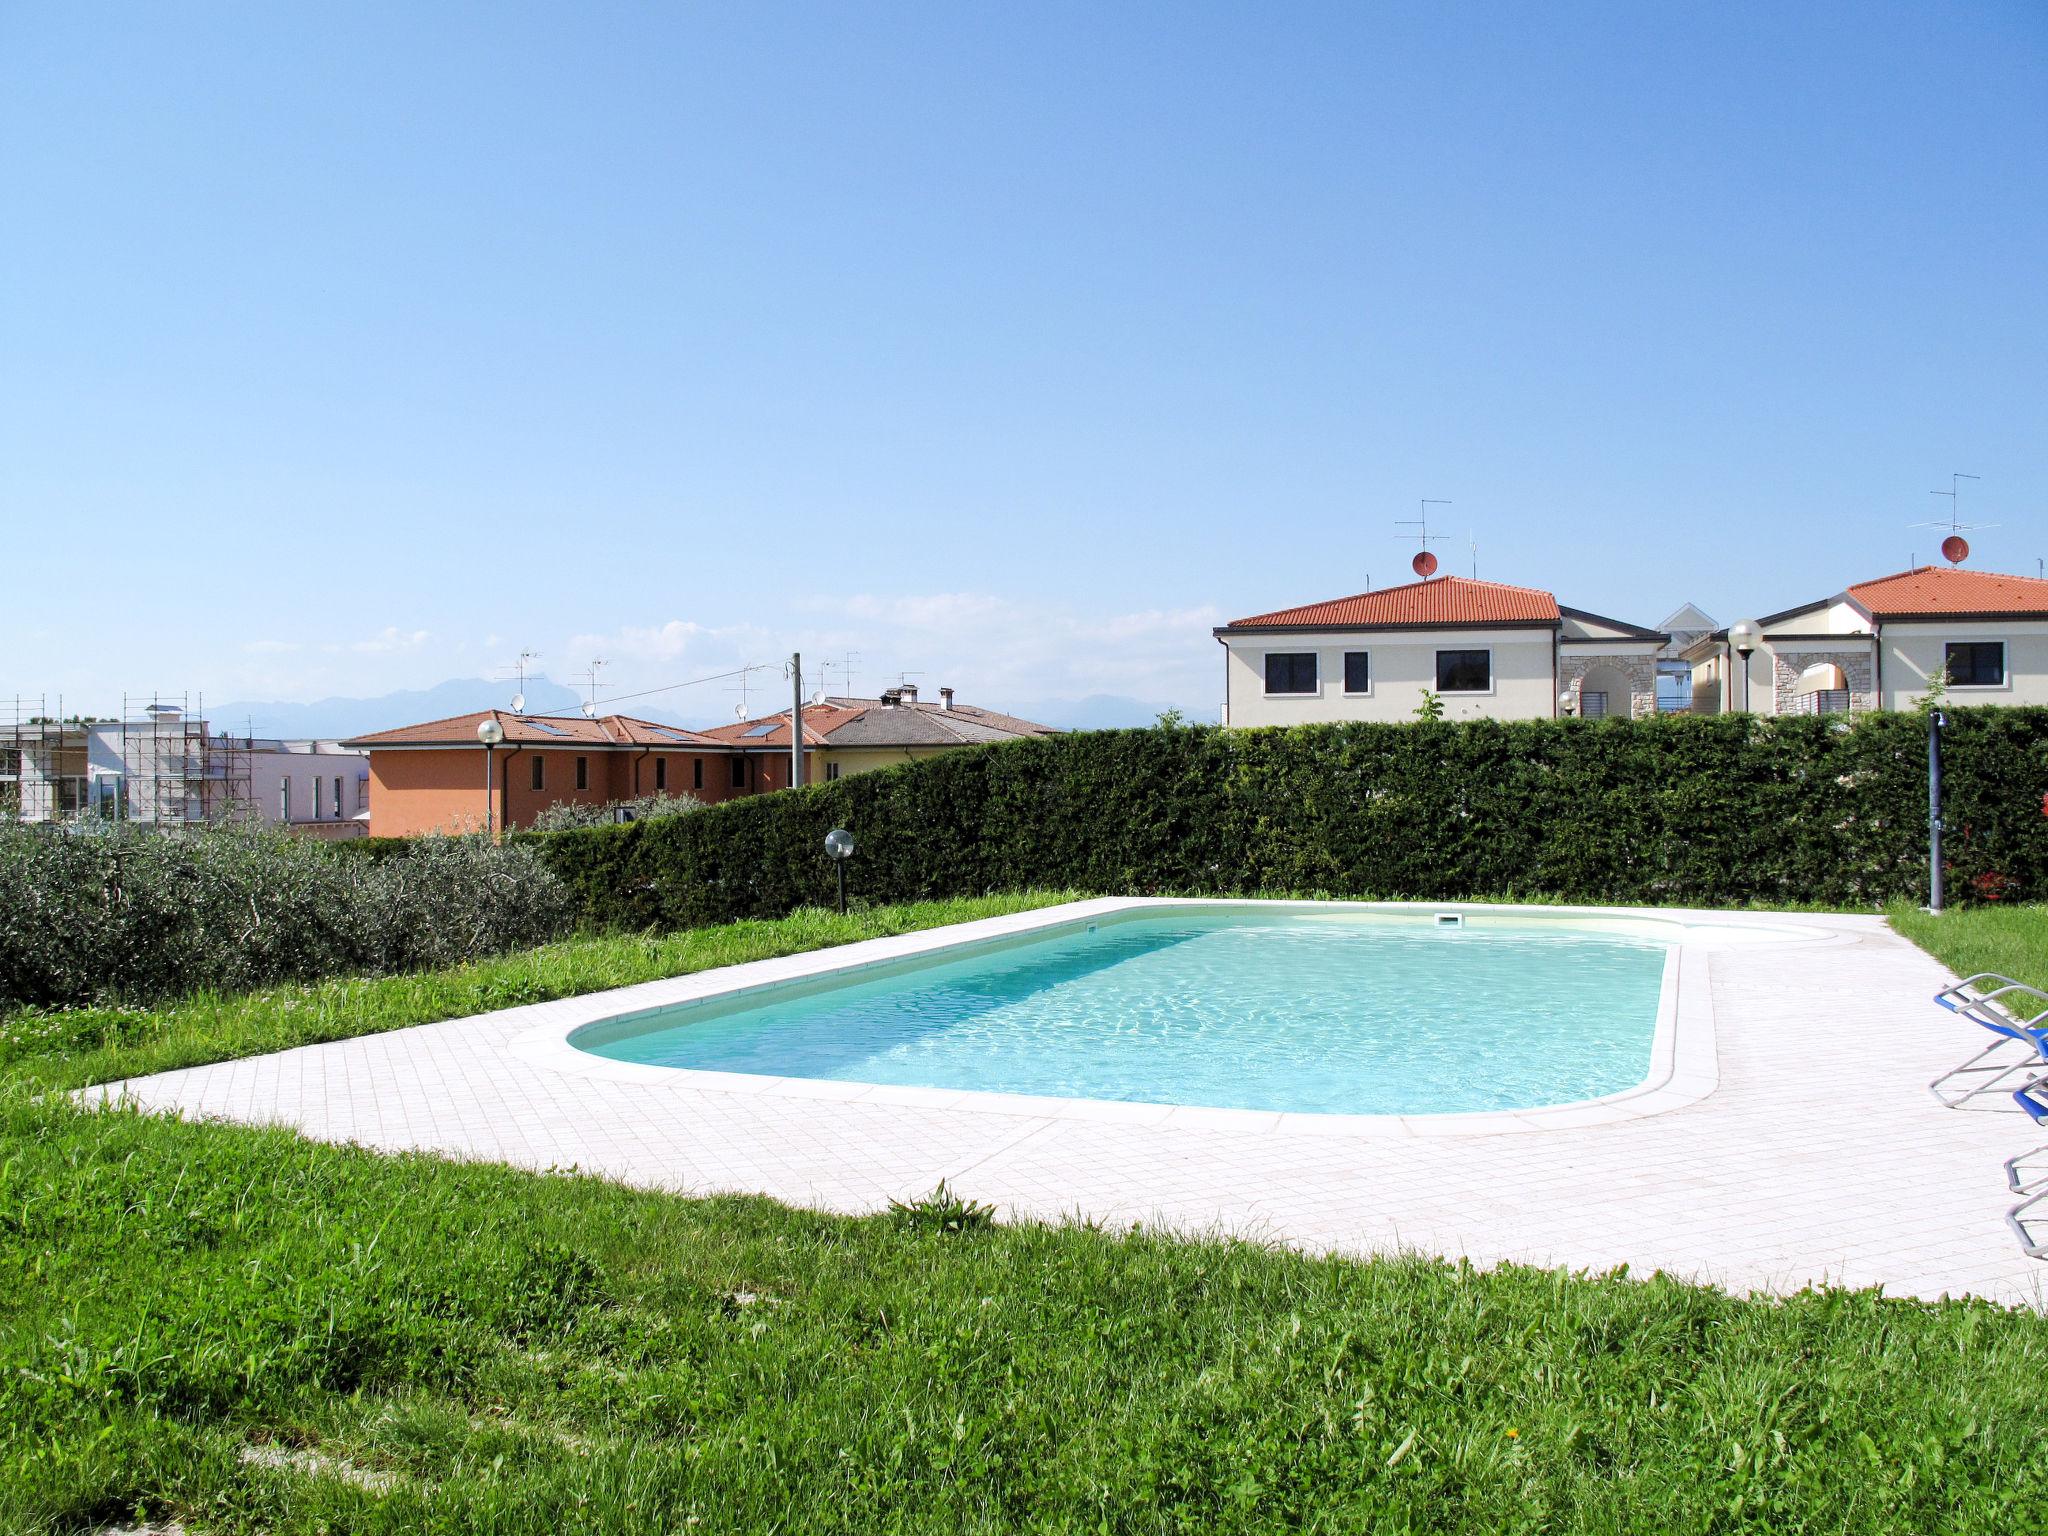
[[250, 1332], [516, 1353], [2013, 941]]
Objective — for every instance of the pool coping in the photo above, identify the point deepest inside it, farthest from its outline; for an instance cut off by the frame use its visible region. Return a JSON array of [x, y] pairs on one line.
[[1684, 1059]]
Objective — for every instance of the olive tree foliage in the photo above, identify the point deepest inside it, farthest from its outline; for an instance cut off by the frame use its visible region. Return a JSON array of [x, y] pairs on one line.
[[103, 912], [566, 814]]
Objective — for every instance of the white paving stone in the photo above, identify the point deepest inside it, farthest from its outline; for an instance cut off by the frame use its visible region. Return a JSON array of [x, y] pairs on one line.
[[1801, 1148]]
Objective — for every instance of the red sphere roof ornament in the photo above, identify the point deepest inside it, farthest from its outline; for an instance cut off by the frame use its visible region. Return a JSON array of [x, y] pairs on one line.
[[1424, 564], [1955, 549]]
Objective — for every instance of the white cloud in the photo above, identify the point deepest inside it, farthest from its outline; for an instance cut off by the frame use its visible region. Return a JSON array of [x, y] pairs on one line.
[[996, 651], [391, 638], [1001, 652]]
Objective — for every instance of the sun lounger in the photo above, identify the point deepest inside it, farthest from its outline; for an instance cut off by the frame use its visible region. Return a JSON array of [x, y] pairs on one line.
[[2018, 1047]]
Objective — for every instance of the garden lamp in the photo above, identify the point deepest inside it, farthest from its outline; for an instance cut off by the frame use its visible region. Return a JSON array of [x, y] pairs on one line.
[[1744, 638], [490, 733], [839, 848]]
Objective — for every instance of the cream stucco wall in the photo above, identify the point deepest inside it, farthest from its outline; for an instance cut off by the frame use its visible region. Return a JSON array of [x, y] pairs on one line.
[[1915, 652], [1908, 654], [1834, 619], [1403, 666], [852, 760]]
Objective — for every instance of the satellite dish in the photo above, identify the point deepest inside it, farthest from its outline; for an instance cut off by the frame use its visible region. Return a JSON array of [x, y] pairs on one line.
[[818, 696], [1955, 549], [1424, 564], [518, 703], [739, 711], [590, 711]]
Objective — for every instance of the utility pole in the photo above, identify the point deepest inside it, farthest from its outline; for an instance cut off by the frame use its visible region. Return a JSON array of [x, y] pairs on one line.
[[796, 720]]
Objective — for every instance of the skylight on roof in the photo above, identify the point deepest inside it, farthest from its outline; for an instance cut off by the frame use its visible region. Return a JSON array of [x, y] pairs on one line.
[[544, 725], [673, 736], [766, 730]]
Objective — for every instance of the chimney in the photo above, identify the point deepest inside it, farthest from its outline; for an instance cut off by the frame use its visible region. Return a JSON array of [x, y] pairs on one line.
[[945, 698], [891, 697], [909, 692]]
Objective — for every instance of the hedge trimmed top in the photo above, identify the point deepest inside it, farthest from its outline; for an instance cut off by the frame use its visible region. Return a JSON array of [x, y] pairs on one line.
[[1703, 811]]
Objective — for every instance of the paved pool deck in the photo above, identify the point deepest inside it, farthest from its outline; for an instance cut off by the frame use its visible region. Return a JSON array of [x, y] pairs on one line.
[[1785, 1139]]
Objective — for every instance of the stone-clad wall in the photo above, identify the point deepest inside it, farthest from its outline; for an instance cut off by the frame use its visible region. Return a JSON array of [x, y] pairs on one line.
[[1856, 667], [1639, 672]]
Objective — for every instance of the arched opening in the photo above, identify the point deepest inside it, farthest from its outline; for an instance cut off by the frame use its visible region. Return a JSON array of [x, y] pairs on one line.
[[1604, 690]]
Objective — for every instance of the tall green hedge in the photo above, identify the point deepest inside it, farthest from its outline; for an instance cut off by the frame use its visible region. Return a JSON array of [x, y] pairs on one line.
[[1705, 811]]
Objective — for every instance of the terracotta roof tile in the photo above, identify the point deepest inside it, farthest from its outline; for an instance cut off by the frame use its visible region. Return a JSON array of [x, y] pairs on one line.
[[538, 731], [1442, 600], [1935, 590], [871, 723]]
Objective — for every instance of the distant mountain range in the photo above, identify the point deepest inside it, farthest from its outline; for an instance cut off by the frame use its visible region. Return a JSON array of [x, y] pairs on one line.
[[340, 718], [335, 718], [1096, 712]]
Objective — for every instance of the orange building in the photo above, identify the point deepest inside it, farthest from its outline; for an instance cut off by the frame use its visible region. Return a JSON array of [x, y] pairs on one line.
[[430, 778]]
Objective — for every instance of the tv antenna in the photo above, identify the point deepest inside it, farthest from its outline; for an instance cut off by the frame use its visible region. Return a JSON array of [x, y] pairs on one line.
[[1955, 548], [590, 682], [845, 670], [519, 669], [1424, 564], [739, 711], [1472, 544]]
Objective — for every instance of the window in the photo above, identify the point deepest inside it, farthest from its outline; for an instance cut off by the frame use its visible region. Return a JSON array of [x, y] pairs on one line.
[[313, 799], [1464, 671], [660, 773], [583, 773], [284, 798], [696, 773], [540, 773], [1357, 672], [338, 812], [1291, 672], [739, 771], [363, 793], [1976, 664], [831, 771], [1831, 701], [1592, 704]]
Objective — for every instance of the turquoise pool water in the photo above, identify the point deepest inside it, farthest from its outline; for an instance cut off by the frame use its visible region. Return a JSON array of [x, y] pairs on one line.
[[1316, 1012]]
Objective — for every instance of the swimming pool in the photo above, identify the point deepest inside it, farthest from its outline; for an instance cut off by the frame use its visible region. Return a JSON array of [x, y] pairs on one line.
[[1302, 1010]]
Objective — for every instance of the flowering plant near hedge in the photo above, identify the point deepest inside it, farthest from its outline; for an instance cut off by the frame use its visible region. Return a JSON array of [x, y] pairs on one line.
[[1712, 810]]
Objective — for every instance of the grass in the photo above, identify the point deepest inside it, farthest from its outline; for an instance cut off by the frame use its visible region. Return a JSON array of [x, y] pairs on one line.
[[247, 1331], [2013, 941], [255, 1333], [71, 1048]]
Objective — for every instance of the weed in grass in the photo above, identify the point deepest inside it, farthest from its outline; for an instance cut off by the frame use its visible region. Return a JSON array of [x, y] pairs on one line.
[[943, 1210]]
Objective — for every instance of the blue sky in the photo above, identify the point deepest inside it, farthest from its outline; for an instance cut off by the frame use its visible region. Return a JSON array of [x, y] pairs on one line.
[[351, 348]]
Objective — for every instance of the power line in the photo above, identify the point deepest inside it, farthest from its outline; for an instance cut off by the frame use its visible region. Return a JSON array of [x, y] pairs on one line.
[[715, 677]]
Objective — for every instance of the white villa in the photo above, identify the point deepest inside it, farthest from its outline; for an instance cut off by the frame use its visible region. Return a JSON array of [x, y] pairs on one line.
[[1878, 644], [1488, 650]]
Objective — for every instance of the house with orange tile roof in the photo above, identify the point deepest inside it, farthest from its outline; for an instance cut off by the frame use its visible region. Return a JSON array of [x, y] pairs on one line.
[[1486, 649], [432, 777], [844, 736], [1880, 643]]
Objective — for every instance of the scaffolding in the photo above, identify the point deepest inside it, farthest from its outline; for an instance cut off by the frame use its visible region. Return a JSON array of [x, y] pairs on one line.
[[155, 763]]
